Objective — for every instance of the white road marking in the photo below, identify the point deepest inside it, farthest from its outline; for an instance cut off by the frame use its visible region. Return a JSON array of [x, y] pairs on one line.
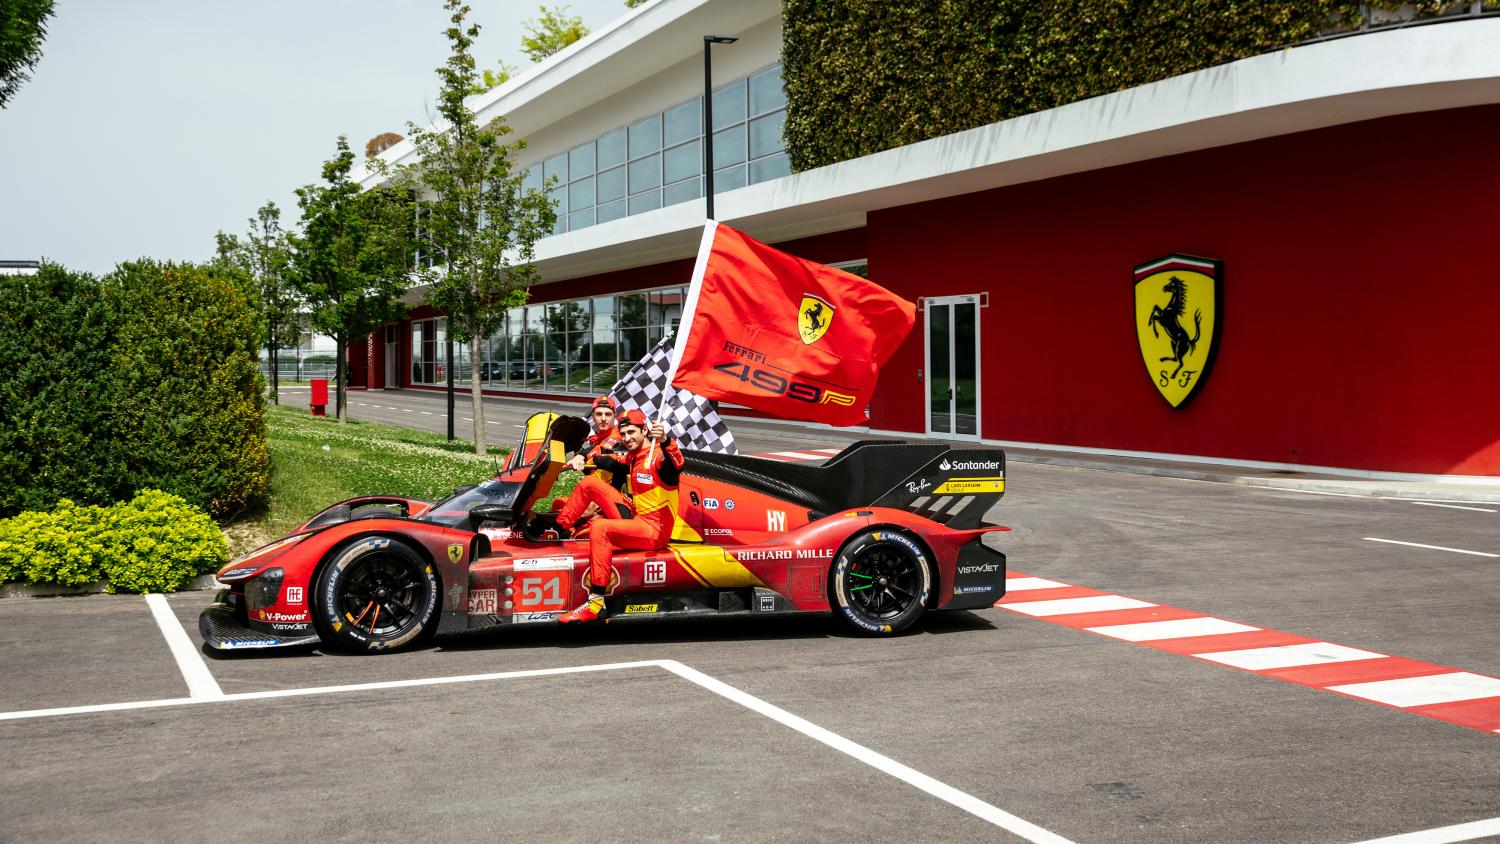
[[1443, 835], [1421, 691], [947, 793], [407, 410], [1430, 547], [200, 682], [1315, 492], [1026, 584], [1180, 628], [425, 412], [917, 779], [1451, 506], [1289, 656], [1068, 606]]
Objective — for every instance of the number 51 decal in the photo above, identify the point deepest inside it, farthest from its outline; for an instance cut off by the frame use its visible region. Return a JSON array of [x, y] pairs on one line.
[[542, 591]]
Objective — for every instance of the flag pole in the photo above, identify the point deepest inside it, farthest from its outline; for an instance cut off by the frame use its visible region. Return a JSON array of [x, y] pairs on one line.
[[685, 324]]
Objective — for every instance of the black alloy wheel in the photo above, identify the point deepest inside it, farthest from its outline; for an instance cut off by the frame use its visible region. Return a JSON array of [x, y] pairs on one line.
[[881, 582], [377, 594]]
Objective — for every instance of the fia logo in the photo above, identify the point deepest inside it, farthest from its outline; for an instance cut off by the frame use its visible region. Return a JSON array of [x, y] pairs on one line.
[[656, 572], [776, 521], [710, 503], [294, 594]]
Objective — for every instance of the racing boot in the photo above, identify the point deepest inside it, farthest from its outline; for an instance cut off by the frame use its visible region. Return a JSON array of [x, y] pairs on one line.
[[589, 610]]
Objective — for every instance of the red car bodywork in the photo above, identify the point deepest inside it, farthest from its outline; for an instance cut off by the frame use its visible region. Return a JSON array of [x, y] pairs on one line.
[[769, 540]]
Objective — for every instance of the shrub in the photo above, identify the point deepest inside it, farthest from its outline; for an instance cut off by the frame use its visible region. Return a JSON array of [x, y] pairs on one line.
[[186, 390], [155, 542], [144, 379], [56, 330]]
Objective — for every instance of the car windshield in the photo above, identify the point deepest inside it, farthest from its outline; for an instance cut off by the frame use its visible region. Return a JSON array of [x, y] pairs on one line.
[[454, 510]]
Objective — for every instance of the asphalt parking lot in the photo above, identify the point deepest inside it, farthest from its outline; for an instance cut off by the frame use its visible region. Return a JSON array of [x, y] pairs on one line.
[[990, 725]]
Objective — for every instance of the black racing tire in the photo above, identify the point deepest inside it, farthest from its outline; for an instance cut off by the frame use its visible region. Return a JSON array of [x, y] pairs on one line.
[[376, 594], [880, 582]]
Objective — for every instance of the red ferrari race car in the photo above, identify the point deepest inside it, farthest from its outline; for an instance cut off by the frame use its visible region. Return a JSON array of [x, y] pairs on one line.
[[879, 535]]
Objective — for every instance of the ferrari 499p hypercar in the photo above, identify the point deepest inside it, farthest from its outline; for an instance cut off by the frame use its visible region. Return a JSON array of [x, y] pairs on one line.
[[879, 535]]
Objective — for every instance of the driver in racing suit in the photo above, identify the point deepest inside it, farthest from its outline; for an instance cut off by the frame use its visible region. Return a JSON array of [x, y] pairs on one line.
[[599, 491], [653, 473]]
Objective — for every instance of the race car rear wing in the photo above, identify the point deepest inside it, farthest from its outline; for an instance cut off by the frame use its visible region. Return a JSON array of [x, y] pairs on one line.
[[955, 488]]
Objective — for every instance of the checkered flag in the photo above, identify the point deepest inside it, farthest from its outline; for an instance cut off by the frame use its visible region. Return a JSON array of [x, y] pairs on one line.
[[689, 417]]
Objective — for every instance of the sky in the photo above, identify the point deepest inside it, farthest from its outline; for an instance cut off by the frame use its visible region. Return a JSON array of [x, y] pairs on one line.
[[149, 125]]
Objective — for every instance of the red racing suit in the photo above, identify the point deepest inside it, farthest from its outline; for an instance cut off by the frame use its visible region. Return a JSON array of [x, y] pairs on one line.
[[653, 476], [599, 486]]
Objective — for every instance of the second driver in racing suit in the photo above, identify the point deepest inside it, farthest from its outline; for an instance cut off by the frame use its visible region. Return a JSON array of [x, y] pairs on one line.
[[653, 474]]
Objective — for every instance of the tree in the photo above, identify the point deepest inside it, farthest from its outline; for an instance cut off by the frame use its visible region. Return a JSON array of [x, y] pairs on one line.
[[23, 26], [352, 260], [631, 4], [495, 78], [476, 213], [265, 257], [554, 30]]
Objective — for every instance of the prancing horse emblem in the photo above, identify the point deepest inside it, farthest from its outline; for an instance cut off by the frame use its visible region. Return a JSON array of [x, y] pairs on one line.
[[1177, 356], [455, 553], [814, 316]]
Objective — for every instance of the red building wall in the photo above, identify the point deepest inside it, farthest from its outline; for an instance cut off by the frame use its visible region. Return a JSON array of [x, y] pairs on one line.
[[1360, 326]]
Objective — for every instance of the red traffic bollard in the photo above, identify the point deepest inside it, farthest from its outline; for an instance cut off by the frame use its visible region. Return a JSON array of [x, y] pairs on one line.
[[319, 396]]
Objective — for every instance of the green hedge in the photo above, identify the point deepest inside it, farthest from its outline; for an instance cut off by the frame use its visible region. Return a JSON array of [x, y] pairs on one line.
[[863, 77], [146, 378], [156, 542]]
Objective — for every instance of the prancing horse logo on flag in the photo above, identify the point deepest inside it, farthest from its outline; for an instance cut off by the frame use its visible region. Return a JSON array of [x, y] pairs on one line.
[[1176, 322], [814, 316]]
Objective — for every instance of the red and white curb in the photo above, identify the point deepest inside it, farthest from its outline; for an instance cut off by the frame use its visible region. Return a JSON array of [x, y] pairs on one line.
[[1422, 688]]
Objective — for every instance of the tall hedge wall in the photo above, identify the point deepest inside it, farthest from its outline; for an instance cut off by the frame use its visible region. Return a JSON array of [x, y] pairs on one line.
[[866, 76], [145, 378]]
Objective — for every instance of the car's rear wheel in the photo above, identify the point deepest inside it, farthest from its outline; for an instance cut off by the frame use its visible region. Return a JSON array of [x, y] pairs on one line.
[[880, 582], [376, 594]]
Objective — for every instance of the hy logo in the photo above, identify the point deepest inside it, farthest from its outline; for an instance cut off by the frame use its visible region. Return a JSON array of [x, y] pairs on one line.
[[814, 316], [776, 521]]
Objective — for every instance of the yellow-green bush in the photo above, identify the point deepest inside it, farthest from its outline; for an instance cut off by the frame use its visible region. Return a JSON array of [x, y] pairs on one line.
[[156, 542]]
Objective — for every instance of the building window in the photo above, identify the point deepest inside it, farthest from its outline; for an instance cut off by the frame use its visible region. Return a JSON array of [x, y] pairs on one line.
[[579, 346], [658, 160]]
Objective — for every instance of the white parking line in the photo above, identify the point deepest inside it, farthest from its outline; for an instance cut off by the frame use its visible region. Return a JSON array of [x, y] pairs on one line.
[[1443, 835], [947, 793], [1452, 506], [200, 682], [1429, 547]]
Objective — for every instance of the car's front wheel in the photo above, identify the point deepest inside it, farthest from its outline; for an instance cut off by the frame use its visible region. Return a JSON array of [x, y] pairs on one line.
[[376, 594], [880, 582]]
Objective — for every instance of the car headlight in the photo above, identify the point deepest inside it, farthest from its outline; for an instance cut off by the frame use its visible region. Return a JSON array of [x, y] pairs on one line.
[[263, 590], [245, 566]]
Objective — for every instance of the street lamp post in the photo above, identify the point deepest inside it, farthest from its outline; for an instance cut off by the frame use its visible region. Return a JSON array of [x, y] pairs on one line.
[[708, 116]]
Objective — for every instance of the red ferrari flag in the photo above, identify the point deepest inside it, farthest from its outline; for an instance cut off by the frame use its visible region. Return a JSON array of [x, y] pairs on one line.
[[790, 337]]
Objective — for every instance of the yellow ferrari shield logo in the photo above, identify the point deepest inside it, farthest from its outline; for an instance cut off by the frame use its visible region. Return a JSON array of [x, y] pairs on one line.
[[814, 316], [455, 553], [1176, 320]]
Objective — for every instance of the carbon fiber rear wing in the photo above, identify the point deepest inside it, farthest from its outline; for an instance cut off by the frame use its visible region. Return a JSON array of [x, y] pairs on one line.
[[955, 488]]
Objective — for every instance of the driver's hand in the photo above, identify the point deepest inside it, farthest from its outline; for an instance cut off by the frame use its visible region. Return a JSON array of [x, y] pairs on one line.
[[657, 431], [576, 462]]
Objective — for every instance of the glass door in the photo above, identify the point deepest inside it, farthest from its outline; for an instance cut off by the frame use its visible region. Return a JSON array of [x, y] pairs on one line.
[[952, 371]]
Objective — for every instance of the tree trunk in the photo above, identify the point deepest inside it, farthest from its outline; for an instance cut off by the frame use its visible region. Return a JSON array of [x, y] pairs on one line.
[[476, 392], [338, 378], [275, 377]]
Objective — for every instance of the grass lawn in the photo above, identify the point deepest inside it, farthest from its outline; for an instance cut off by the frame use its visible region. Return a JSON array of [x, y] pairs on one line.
[[315, 462]]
